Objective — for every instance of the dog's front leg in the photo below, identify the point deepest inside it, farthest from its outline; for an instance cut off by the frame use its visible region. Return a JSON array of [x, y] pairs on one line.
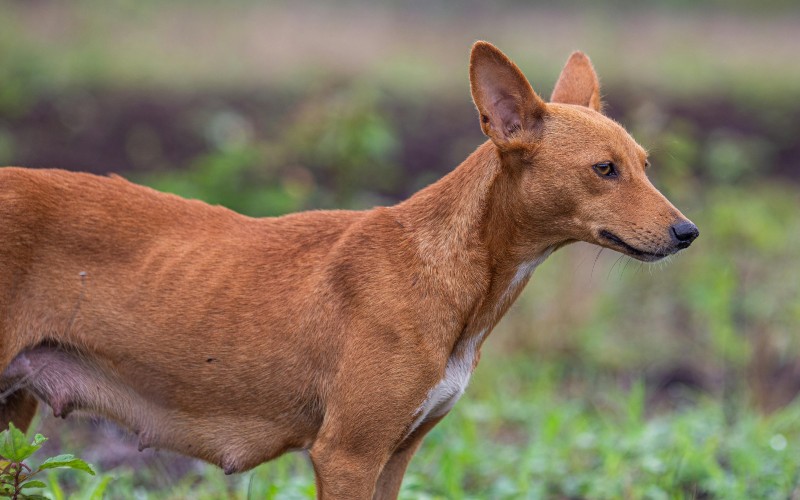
[[344, 473], [368, 413], [392, 474], [353, 446]]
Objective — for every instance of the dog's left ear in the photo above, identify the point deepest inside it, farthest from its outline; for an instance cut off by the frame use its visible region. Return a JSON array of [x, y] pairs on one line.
[[578, 83], [505, 100]]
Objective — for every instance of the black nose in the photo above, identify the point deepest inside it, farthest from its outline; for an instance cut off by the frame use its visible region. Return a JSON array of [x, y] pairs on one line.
[[685, 233]]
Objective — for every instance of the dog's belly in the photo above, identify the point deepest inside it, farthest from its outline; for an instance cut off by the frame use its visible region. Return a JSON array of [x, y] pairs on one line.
[[68, 381]]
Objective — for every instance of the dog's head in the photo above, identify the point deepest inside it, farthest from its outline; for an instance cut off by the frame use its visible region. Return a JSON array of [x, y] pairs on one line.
[[576, 175]]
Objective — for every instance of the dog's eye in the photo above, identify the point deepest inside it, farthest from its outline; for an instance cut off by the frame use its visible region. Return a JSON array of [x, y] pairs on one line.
[[647, 164], [605, 169]]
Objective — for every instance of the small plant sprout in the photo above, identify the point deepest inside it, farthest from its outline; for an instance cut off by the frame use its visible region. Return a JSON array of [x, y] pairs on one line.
[[16, 476]]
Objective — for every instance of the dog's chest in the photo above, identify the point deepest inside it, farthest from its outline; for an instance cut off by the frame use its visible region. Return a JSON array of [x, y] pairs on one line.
[[451, 387], [444, 395]]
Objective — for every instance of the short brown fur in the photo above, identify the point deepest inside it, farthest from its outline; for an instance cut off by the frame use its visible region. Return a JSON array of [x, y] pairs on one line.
[[347, 334]]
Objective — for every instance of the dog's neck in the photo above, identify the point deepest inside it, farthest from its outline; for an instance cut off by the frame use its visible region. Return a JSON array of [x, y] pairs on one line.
[[468, 245]]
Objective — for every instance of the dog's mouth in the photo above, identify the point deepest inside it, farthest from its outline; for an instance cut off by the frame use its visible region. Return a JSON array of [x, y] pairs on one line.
[[634, 252]]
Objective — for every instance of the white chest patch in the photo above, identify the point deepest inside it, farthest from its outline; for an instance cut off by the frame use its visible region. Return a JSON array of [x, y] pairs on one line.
[[524, 272], [444, 395], [447, 392]]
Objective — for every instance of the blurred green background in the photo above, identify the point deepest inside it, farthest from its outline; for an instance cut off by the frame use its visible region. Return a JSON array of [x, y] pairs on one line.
[[608, 378]]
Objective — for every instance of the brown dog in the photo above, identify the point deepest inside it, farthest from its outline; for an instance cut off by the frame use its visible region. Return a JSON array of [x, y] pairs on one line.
[[348, 334]]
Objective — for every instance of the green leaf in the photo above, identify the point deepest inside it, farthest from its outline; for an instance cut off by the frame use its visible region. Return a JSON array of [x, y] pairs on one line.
[[98, 491], [38, 439], [33, 483], [55, 488], [66, 461], [14, 446]]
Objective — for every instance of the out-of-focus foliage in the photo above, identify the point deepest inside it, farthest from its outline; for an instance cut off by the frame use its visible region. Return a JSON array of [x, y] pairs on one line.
[[337, 152]]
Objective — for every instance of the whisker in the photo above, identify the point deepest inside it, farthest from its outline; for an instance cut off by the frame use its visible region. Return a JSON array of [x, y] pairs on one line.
[[612, 266], [625, 267], [591, 274]]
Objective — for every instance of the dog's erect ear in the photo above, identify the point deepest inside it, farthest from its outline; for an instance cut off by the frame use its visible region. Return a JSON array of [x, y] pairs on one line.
[[578, 83], [504, 98]]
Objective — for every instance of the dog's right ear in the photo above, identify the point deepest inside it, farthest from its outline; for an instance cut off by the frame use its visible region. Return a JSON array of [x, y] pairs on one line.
[[578, 83], [505, 100]]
